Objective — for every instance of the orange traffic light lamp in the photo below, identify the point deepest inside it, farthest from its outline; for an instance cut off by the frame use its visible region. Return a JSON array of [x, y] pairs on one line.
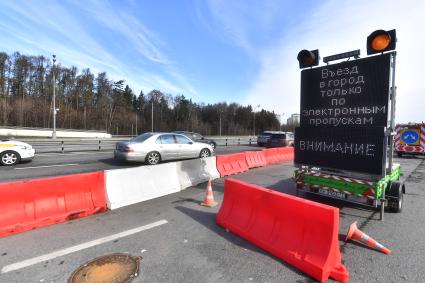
[[381, 41], [308, 58]]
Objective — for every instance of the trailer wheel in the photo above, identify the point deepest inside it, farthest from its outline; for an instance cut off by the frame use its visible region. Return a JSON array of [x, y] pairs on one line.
[[395, 196]]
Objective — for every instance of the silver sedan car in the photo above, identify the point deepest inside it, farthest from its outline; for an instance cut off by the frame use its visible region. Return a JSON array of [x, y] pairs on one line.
[[153, 148]]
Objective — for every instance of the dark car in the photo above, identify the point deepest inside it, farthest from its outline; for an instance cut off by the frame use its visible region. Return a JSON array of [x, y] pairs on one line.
[[264, 137], [197, 137], [280, 140]]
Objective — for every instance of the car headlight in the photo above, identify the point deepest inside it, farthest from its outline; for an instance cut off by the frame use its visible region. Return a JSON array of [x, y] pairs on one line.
[[25, 147]]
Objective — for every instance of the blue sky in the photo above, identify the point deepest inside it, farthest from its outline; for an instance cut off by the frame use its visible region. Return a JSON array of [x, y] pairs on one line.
[[215, 50]]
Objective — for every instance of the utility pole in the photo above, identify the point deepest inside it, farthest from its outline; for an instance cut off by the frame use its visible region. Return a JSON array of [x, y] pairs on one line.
[[280, 121], [221, 111], [136, 120], [258, 106], [54, 99], [152, 115]]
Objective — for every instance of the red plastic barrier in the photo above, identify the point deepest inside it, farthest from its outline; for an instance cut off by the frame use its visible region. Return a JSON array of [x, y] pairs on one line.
[[271, 155], [255, 159], [301, 232], [285, 153], [279, 154], [26, 205], [230, 164]]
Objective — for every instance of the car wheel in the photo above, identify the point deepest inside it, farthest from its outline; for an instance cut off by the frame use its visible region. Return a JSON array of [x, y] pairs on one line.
[[205, 153], [153, 158], [9, 158], [213, 145], [399, 154]]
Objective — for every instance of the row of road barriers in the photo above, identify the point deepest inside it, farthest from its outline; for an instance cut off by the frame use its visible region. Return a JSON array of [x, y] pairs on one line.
[[301, 232], [30, 204], [230, 164]]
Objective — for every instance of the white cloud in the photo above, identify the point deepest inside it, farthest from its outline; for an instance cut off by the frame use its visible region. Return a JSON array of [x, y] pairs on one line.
[[339, 26], [140, 37], [237, 21], [54, 29], [143, 40]]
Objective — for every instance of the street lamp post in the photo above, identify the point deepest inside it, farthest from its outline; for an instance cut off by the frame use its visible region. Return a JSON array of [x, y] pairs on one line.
[[280, 120], [221, 111], [136, 120], [152, 115], [54, 99], [256, 107]]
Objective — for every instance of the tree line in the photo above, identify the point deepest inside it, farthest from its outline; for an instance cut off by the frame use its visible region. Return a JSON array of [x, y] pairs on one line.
[[95, 102]]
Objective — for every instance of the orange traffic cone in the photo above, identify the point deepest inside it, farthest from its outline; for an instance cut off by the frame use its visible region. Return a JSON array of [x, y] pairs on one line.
[[209, 197], [355, 234]]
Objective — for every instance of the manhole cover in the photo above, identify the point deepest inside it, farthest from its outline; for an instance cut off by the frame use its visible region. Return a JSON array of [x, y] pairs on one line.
[[114, 268]]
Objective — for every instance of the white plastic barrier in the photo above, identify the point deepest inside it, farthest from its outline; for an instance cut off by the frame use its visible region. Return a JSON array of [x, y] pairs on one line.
[[132, 185], [196, 171]]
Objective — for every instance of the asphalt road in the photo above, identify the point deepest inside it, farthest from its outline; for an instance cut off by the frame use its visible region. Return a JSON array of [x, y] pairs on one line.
[[190, 247], [55, 164]]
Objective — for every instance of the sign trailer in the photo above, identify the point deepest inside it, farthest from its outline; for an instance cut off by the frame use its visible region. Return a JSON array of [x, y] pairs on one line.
[[344, 145]]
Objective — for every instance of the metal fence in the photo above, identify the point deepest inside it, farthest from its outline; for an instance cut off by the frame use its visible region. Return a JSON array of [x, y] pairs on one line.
[[81, 145]]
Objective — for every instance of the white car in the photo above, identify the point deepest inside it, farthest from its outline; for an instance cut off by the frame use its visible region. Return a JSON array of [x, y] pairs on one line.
[[13, 152], [153, 148]]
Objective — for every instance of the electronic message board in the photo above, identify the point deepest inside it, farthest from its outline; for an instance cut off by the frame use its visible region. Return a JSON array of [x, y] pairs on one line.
[[359, 149], [351, 93]]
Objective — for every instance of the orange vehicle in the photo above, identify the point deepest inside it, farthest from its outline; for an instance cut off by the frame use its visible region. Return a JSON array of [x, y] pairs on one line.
[[410, 139]]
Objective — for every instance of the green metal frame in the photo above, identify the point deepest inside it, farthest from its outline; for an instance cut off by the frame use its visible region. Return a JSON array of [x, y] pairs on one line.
[[383, 183], [356, 189]]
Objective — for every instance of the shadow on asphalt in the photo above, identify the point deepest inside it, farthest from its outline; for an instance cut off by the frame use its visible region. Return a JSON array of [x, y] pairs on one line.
[[183, 200], [207, 219], [124, 164], [411, 156], [115, 162], [342, 237], [287, 186]]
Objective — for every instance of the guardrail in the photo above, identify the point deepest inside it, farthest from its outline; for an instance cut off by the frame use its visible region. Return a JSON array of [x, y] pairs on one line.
[[46, 133], [50, 129], [75, 145]]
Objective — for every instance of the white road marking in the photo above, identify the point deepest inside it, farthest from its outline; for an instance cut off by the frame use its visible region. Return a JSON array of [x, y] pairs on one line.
[[73, 249], [47, 166]]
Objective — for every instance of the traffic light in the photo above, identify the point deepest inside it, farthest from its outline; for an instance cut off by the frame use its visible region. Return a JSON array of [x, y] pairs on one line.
[[308, 58], [381, 41]]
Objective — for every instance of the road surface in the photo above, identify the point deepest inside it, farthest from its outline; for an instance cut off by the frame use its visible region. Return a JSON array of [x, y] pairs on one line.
[[55, 164], [187, 246]]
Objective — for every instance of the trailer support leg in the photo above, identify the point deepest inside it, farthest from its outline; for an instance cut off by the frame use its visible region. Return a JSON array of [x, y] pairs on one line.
[[382, 208]]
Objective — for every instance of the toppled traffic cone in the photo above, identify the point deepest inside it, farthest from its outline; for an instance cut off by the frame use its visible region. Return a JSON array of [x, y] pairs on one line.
[[355, 234], [209, 197]]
